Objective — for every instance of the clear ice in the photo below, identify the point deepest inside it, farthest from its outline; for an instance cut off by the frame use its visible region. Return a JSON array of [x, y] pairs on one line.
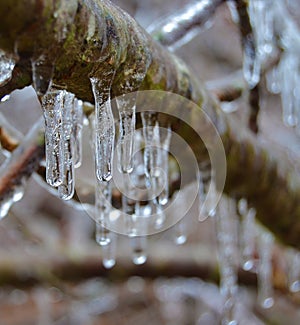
[[125, 143], [265, 273], [66, 147], [7, 65], [104, 131], [226, 226]]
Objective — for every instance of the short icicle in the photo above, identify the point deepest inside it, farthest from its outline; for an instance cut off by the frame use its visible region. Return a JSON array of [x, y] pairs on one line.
[[104, 130], [248, 235], [126, 107], [293, 270], [265, 274]]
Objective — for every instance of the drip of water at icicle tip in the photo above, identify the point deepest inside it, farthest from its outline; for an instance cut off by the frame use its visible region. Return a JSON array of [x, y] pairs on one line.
[[126, 107], [109, 252], [180, 232], [104, 132], [138, 250], [7, 65]]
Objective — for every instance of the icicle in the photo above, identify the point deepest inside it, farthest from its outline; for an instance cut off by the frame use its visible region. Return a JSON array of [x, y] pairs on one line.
[[51, 104], [273, 81], [148, 120], [7, 65], [109, 252], [139, 245], [262, 19], [251, 63], [290, 83], [126, 107], [78, 124], [42, 73], [248, 235], [103, 197], [128, 208], [294, 270], [233, 11], [104, 131], [205, 181], [226, 224], [265, 275], [180, 232], [66, 148], [163, 197]]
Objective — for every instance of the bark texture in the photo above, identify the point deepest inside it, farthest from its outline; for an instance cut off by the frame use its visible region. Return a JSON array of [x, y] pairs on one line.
[[79, 39]]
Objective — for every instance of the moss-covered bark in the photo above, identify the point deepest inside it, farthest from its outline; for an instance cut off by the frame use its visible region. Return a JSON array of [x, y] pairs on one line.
[[95, 38]]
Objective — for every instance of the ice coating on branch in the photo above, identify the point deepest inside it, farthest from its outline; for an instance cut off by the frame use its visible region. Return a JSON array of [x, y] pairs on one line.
[[265, 273], [7, 65], [52, 107], [184, 25], [226, 226], [126, 107], [104, 131], [42, 73]]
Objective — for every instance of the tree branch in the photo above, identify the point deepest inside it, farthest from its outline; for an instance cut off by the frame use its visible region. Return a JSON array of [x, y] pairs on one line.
[[84, 41]]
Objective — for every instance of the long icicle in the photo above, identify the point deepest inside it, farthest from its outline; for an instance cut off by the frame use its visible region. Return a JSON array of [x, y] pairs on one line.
[[66, 147], [104, 129], [78, 124], [293, 270], [265, 274], [51, 105], [226, 222]]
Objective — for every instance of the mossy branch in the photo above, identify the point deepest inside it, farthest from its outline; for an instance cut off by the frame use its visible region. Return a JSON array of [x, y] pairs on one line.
[[93, 38]]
